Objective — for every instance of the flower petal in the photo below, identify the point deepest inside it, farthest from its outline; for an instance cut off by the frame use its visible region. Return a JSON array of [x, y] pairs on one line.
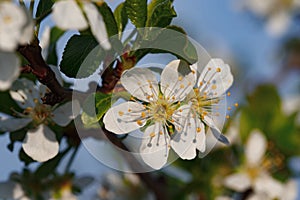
[[140, 83], [67, 15], [278, 23], [24, 92], [255, 148], [9, 67], [41, 144], [238, 182], [215, 78], [154, 149], [266, 184], [177, 80], [124, 118], [215, 131], [6, 189], [13, 124], [64, 114], [97, 25], [289, 191]]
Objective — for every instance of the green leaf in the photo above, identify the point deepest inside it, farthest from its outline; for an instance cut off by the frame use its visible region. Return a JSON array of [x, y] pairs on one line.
[[160, 13], [121, 17], [137, 12], [82, 56], [55, 34], [109, 19], [94, 107], [44, 7]]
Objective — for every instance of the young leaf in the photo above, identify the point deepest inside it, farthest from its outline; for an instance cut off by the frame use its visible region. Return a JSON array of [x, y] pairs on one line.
[[44, 7], [121, 17], [82, 56], [94, 107], [160, 13], [109, 19], [137, 12]]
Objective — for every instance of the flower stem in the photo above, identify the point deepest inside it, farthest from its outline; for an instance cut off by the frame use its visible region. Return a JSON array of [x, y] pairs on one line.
[[69, 164]]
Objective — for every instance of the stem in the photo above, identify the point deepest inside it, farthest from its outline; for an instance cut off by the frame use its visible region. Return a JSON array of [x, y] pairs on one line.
[[31, 6], [70, 162]]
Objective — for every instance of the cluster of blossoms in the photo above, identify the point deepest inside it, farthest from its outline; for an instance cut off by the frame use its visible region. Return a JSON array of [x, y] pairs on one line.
[[16, 28], [278, 13], [254, 173], [40, 142], [172, 113]]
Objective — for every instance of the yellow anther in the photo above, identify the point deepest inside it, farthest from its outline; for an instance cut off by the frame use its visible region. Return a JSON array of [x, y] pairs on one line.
[[152, 134], [193, 71], [180, 110], [143, 114], [214, 86], [139, 122], [132, 98], [35, 100], [196, 90], [189, 84], [228, 94], [236, 104], [129, 110], [180, 78], [229, 108], [121, 113], [173, 97], [181, 86], [209, 68], [160, 133], [218, 69], [150, 86], [198, 129], [201, 83], [227, 116]]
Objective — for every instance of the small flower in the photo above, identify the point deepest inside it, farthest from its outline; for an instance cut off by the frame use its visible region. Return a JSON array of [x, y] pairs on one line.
[[9, 67], [40, 142], [12, 190], [212, 84], [254, 173], [16, 27], [158, 106], [67, 14]]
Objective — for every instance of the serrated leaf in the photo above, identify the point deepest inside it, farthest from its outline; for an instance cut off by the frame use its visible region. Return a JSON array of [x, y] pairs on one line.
[[82, 56], [160, 13], [137, 12], [55, 34], [44, 7], [94, 107], [121, 17], [109, 19]]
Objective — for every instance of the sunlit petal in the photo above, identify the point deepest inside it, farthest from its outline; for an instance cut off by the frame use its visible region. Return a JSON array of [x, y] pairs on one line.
[[9, 67], [238, 182], [255, 148]]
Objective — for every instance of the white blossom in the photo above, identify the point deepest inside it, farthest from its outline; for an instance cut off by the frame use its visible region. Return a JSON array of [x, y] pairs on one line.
[[158, 105], [254, 172], [12, 190], [16, 27], [9, 67], [40, 142], [68, 14]]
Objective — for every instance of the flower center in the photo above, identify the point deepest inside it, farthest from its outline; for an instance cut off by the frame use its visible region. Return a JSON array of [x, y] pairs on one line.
[[162, 110], [40, 113]]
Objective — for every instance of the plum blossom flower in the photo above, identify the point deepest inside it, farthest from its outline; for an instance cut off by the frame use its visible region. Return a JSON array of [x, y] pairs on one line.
[[213, 82], [67, 14], [12, 190], [254, 173], [157, 105], [40, 142], [16, 27], [9, 67]]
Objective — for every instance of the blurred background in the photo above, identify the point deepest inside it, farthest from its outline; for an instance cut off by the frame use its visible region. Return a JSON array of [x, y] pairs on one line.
[[261, 43]]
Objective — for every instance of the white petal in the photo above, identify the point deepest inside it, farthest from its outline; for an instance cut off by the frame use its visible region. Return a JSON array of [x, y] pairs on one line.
[[215, 78], [67, 15], [27, 31], [97, 25], [255, 148], [177, 80], [266, 184], [278, 23], [238, 182], [215, 130], [24, 92], [57, 74], [64, 114], [123, 118], [154, 149], [44, 41], [9, 67], [41, 144], [258, 196], [11, 30], [290, 191], [141, 83], [13, 124]]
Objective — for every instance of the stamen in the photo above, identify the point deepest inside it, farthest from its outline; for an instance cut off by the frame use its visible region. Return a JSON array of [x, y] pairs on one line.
[[121, 113], [139, 122]]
